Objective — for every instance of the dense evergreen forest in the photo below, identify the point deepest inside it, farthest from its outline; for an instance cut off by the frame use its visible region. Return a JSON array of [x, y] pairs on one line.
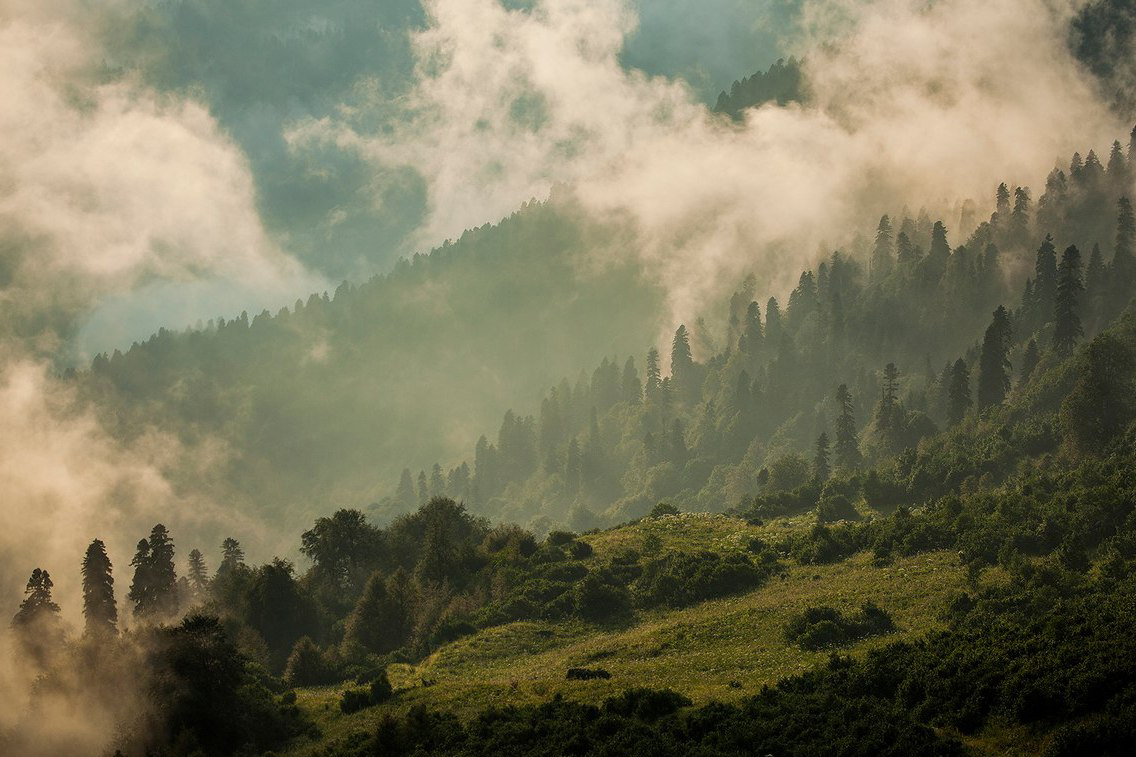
[[909, 397]]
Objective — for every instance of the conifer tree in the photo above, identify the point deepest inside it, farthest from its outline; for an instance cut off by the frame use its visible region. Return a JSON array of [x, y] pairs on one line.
[[1067, 320], [1096, 285], [958, 393], [100, 611], [683, 378], [437, 482], [160, 577], [36, 623], [821, 468], [198, 574], [888, 409], [847, 450], [940, 250], [751, 339], [1020, 218], [140, 588], [654, 384], [368, 628], [994, 364], [232, 556], [772, 322], [1124, 256], [1044, 283], [405, 496], [882, 256], [1117, 165], [1002, 202]]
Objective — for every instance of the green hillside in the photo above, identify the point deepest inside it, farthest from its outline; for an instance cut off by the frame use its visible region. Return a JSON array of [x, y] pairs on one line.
[[717, 650]]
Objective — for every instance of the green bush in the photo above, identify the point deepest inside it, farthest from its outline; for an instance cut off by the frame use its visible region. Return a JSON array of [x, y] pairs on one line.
[[678, 579], [822, 627]]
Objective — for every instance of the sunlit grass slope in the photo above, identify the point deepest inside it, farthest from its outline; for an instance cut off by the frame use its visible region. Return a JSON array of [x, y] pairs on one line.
[[717, 650]]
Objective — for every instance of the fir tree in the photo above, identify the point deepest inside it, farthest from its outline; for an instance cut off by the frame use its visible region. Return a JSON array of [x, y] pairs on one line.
[[405, 497], [847, 449], [994, 364], [423, 489], [751, 338], [1020, 218], [682, 366], [437, 482], [100, 611], [654, 384], [368, 627], [1044, 283], [887, 411], [36, 623], [1002, 202], [958, 393], [232, 556], [198, 574], [1067, 320], [160, 595], [821, 467], [1096, 285], [882, 256], [140, 587], [1123, 260], [773, 329]]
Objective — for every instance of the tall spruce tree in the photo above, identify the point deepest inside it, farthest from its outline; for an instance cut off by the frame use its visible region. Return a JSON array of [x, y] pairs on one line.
[[994, 364], [958, 393], [100, 611], [37, 624], [1030, 358], [1044, 283], [1067, 327], [653, 386], [154, 588], [405, 496], [1124, 256], [887, 412], [882, 254], [198, 573], [232, 556], [847, 448], [683, 375], [821, 467]]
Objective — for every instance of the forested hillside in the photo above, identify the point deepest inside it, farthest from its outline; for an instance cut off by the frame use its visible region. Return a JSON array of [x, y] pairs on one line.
[[322, 403], [879, 346]]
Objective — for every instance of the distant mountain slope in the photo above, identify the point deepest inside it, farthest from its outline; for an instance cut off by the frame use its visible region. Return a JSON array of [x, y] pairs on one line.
[[317, 405]]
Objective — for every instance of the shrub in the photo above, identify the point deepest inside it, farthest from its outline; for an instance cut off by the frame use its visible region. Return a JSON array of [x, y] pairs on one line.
[[580, 550], [835, 508], [661, 509], [821, 627], [354, 700], [307, 666], [598, 597], [679, 578]]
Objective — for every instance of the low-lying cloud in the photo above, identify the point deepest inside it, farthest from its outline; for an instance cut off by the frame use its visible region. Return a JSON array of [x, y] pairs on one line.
[[909, 103]]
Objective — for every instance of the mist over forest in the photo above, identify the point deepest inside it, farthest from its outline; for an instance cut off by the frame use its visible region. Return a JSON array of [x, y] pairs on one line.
[[567, 377]]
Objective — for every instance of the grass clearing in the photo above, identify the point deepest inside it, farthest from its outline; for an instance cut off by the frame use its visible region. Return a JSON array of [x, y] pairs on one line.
[[722, 649]]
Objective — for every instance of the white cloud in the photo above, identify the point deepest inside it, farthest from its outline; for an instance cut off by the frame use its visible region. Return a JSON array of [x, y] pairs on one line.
[[911, 104]]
